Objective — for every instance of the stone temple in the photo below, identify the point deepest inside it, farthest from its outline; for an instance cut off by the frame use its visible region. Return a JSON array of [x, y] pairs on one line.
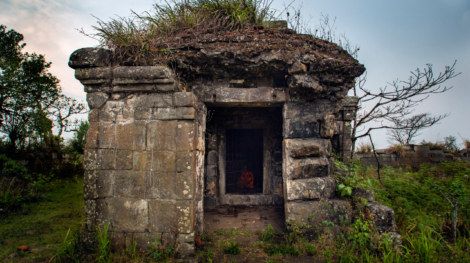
[[246, 118]]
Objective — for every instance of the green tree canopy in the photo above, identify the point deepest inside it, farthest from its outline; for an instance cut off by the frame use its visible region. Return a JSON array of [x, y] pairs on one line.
[[29, 95]]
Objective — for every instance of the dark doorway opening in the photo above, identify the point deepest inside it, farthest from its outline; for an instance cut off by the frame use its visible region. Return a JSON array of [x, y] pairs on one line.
[[244, 161]]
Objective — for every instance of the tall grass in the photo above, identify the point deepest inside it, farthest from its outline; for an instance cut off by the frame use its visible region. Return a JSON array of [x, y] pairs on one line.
[[139, 36]]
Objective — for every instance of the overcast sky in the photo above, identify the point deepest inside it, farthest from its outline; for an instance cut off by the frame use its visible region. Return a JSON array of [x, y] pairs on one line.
[[394, 37]]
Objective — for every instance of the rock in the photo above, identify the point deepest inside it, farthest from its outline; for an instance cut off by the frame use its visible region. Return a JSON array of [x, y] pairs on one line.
[[96, 99], [308, 168], [364, 193], [317, 212], [10, 256], [310, 189], [382, 216], [297, 68], [306, 151], [185, 250], [306, 82], [327, 128], [90, 58]]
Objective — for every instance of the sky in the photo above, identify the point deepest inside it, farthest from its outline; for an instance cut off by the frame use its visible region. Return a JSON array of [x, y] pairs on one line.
[[395, 37]]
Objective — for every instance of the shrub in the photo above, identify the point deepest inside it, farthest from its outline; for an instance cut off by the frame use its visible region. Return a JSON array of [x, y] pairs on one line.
[[232, 248], [364, 147]]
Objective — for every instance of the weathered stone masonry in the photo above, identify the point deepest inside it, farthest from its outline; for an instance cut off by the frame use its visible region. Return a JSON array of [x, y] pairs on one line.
[[151, 165]]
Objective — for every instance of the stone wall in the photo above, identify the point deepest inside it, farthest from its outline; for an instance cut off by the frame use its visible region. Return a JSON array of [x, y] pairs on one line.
[[412, 155], [144, 151]]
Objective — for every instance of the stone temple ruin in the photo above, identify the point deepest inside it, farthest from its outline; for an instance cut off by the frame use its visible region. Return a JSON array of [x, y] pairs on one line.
[[245, 118]]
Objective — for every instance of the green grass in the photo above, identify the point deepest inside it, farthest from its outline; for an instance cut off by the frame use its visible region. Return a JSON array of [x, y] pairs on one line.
[[44, 223]]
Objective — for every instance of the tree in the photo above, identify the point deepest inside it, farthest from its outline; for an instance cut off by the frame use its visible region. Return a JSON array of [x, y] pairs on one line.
[[29, 94], [404, 131], [62, 109], [391, 107]]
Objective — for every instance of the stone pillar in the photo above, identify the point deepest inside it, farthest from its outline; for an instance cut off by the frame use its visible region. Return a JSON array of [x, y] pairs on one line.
[[143, 154]]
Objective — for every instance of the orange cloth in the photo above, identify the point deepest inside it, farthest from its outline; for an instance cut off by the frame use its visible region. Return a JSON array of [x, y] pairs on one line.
[[246, 180]]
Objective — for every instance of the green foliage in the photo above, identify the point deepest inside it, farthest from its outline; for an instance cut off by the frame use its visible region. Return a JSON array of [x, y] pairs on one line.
[[206, 257], [27, 89], [79, 137], [103, 238], [281, 249], [327, 223], [232, 248], [347, 177], [159, 252], [361, 232], [267, 235], [31, 97]]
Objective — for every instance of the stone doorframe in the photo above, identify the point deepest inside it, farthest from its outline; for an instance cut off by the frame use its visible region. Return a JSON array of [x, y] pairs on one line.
[[237, 199]]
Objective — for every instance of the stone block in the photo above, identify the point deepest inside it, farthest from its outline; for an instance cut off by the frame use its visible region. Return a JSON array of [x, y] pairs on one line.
[[167, 185], [141, 161], [300, 129], [143, 113], [306, 151], [338, 212], [169, 239], [383, 216], [96, 99], [105, 184], [164, 114], [102, 213], [93, 115], [92, 159], [151, 100], [212, 158], [211, 171], [185, 113], [130, 184], [310, 189], [89, 184], [121, 240], [186, 250], [91, 213], [140, 74], [297, 68], [305, 82], [124, 160], [129, 214], [186, 238], [92, 135], [348, 115], [162, 216], [299, 148], [307, 168], [108, 159], [185, 216], [107, 135], [130, 136], [212, 142], [184, 186], [185, 161], [161, 136], [90, 58], [143, 240], [185, 99], [185, 136], [151, 184], [327, 128], [163, 161]]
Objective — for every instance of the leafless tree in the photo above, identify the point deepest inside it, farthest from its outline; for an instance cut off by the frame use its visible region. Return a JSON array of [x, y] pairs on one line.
[[394, 105], [405, 130]]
